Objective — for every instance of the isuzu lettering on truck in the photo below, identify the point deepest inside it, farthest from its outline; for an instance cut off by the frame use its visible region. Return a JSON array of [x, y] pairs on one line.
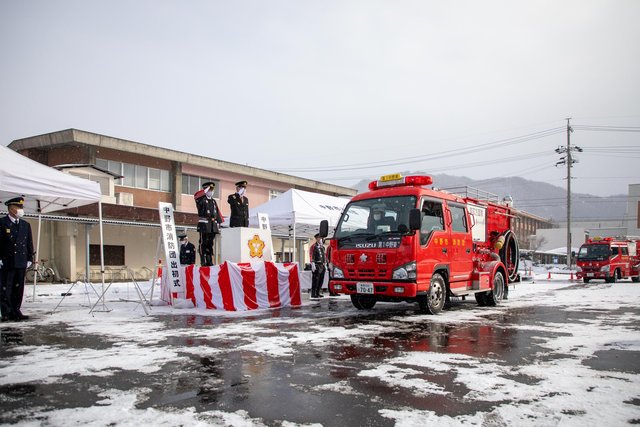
[[402, 241]]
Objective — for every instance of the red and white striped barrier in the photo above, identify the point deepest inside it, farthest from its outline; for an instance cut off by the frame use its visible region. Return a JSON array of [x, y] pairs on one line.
[[243, 286]]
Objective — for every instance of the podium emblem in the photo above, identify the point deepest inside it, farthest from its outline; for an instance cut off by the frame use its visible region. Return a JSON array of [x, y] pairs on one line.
[[256, 247]]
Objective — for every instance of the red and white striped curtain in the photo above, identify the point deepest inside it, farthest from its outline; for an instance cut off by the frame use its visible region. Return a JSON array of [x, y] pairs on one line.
[[243, 286]]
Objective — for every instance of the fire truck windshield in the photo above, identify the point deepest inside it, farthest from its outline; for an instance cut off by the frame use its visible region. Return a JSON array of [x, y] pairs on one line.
[[594, 252], [374, 217]]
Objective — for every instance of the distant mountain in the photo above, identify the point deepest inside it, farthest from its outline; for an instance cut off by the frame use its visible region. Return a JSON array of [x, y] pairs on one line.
[[535, 197]]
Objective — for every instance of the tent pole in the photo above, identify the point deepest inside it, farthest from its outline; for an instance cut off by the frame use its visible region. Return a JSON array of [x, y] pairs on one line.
[[294, 237], [87, 252], [101, 247], [37, 254]]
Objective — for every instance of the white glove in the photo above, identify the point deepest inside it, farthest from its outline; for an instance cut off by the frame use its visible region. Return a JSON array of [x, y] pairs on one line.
[[0, 263], [29, 264], [313, 266]]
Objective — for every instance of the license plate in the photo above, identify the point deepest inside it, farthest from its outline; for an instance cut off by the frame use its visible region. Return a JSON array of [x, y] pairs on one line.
[[365, 288], [589, 274]]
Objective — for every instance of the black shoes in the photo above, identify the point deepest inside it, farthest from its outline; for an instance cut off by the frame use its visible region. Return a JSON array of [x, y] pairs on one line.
[[15, 318]]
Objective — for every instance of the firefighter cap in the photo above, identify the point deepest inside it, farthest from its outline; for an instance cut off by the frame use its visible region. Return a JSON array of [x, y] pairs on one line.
[[241, 184], [208, 184], [17, 201], [182, 236]]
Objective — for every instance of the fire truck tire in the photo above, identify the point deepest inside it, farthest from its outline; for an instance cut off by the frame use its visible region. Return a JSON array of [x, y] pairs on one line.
[[635, 279], [585, 279], [433, 302], [481, 298], [497, 294], [363, 302]]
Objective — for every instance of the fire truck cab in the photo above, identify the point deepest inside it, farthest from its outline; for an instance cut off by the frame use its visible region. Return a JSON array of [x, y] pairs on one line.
[[402, 241], [609, 259]]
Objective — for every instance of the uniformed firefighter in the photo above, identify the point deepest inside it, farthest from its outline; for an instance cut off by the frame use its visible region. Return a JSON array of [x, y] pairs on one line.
[[16, 255], [318, 263], [187, 251], [239, 206], [209, 220]]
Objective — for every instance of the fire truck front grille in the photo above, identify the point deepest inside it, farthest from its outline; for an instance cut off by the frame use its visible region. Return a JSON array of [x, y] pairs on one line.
[[366, 274], [590, 269]]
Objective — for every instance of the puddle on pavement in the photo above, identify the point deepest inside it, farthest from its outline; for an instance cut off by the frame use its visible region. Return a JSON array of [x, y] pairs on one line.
[[290, 388]]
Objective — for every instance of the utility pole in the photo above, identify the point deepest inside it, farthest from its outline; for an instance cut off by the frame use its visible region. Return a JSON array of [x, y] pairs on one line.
[[569, 161]]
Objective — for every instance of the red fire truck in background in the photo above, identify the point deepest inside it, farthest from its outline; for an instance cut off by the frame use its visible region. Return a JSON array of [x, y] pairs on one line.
[[402, 241], [609, 259]]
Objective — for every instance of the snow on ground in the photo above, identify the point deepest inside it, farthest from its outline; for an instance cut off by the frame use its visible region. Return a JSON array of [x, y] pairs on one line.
[[560, 390]]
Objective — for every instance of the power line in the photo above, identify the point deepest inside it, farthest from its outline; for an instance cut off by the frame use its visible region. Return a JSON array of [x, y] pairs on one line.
[[433, 156]]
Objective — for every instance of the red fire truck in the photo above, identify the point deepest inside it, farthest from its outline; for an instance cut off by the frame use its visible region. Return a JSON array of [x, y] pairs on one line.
[[609, 259], [402, 241]]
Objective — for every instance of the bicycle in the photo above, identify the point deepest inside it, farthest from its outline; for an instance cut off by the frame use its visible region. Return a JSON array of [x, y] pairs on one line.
[[43, 274]]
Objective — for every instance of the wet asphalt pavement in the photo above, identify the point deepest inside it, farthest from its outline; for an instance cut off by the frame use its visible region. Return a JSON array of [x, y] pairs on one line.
[[289, 387]]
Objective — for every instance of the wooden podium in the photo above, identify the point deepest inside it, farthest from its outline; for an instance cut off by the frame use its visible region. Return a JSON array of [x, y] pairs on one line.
[[242, 244]]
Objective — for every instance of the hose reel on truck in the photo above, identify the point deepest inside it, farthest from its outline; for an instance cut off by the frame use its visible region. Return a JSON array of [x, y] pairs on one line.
[[510, 255]]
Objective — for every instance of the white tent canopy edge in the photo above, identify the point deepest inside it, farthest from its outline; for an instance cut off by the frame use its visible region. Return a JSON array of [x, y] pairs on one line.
[[45, 189]]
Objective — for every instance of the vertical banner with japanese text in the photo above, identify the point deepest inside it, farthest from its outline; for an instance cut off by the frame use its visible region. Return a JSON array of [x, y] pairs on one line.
[[171, 249]]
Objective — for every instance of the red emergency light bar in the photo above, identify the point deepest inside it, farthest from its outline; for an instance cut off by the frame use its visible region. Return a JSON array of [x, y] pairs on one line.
[[397, 180]]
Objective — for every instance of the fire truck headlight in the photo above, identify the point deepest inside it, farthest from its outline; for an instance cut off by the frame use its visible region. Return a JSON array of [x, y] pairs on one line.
[[337, 273], [405, 272], [605, 269]]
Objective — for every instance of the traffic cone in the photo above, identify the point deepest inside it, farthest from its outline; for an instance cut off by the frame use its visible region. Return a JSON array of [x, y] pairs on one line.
[[571, 278], [159, 272], [549, 276]]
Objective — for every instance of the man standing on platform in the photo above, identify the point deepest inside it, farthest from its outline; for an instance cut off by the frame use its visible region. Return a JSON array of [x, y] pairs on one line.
[[239, 206], [16, 255], [208, 222], [187, 251], [318, 262]]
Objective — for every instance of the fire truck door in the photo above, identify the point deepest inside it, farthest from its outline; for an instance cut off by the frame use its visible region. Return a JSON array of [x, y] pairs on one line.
[[461, 246], [434, 237]]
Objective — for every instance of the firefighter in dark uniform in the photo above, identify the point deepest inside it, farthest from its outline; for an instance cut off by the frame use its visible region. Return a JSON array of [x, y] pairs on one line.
[[239, 206], [187, 251], [208, 222], [318, 262], [16, 255]]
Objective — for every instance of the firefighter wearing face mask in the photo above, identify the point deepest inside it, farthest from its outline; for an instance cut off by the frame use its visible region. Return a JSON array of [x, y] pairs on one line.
[[209, 220], [16, 255], [239, 206]]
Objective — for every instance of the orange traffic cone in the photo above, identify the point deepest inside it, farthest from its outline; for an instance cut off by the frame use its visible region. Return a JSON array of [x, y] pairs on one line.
[[549, 276], [571, 278], [159, 273]]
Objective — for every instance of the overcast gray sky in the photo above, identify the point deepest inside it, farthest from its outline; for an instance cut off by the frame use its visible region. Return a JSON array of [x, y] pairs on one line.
[[325, 89]]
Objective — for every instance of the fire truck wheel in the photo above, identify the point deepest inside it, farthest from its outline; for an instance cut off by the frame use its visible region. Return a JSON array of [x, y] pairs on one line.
[[433, 302], [635, 279], [495, 296], [585, 279], [481, 298], [363, 302]]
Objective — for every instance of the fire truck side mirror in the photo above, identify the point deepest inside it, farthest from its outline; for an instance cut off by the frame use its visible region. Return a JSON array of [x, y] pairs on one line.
[[415, 219], [324, 228]]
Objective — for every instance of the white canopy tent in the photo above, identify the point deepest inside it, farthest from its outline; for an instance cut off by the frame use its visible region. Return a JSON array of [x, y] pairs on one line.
[[297, 213], [45, 189]]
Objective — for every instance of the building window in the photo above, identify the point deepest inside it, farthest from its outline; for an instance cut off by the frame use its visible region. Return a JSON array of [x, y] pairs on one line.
[[137, 176], [191, 184], [113, 255], [274, 193]]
